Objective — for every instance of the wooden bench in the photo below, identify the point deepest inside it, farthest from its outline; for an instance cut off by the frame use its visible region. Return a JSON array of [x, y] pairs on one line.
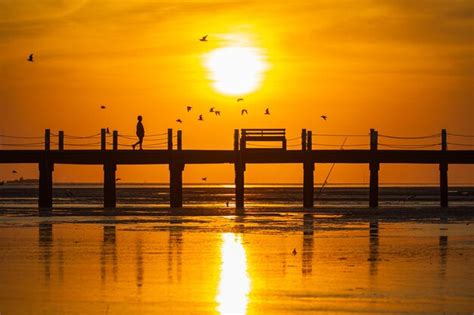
[[278, 135]]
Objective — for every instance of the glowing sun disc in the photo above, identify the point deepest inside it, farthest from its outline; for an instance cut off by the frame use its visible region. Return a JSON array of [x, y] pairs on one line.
[[235, 70]]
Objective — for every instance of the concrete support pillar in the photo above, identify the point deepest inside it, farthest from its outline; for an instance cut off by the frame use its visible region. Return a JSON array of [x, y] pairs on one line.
[[239, 184], [110, 191], [45, 200], [374, 167], [176, 184], [308, 184]]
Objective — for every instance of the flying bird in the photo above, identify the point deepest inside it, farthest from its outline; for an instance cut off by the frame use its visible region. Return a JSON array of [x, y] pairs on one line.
[[244, 111], [267, 111], [200, 117], [217, 112], [102, 107], [204, 178], [203, 39], [211, 110], [240, 99], [30, 58], [189, 108], [179, 121], [324, 117]]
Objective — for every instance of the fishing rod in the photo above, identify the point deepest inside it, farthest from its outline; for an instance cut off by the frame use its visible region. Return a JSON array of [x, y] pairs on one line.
[[329, 173]]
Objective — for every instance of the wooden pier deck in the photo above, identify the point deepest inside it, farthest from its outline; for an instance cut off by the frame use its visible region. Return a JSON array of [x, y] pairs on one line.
[[239, 156]]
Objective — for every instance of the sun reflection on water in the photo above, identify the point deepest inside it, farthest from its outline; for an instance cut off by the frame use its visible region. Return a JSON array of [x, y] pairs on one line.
[[234, 285]]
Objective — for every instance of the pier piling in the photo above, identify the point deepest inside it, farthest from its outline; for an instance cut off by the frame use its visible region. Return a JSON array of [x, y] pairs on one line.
[[374, 167], [110, 199], [239, 168], [103, 139], [308, 170], [443, 172], [45, 200], [61, 140]]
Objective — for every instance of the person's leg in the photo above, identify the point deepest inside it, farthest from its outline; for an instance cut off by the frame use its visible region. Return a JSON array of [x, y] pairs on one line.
[[141, 143], [135, 144]]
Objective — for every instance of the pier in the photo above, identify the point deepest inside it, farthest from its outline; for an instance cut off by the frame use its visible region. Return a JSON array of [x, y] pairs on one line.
[[306, 153]]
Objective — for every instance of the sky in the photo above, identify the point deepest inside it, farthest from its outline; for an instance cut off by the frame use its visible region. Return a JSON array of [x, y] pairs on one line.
[[403, 67]]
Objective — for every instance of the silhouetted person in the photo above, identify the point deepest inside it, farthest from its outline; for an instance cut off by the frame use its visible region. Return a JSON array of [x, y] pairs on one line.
[[140, 133]]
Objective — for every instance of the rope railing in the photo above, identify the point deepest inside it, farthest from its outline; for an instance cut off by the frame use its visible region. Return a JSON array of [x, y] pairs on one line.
[[338, 145], [461, 144], [409, 138], [414, 146], [20, 137], [339, 135], [460, 135]]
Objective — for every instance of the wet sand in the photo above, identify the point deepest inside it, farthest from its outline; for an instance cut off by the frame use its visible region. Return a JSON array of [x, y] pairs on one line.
[[264, 263]]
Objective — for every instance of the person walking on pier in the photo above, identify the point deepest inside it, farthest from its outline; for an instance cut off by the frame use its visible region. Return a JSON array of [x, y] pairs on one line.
[[140, 133]]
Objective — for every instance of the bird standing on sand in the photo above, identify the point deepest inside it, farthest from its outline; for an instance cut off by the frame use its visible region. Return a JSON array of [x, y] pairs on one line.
[[189, 108], [294, 251], [244, 111], [14, 172], [200, 117], [324, 117], [30, 58], [118, 179], [107, 131], [179, 121], [240, 99], [267, 111], [203, 39], [217, 112], [226, 203]]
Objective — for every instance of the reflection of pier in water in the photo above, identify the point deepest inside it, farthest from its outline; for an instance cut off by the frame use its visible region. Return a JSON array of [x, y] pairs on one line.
[[308, 244], [175, 247], [109, 251], [373, 246], [47, 249], [443, 246]]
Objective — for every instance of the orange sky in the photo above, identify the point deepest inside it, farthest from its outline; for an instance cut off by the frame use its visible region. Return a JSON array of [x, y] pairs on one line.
[[402, 67]]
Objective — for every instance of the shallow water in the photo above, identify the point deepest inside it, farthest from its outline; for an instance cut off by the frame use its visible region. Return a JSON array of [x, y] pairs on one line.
[[255, 264]]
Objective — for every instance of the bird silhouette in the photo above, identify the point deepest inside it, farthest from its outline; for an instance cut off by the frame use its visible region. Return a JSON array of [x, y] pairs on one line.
[[324, 117], [294, 251], [108, 131], [204, 178], [240, 99], [244, 111], [102, 107], [203, 39], [189, 108], [267, 111], [217, 112], [30, 58], [226, 203], [118, 179], [211, 110], [200, 117], [14, 172], [179, 121]]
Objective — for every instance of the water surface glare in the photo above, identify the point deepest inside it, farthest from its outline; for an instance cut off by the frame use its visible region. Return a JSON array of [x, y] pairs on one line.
[[257, 264]]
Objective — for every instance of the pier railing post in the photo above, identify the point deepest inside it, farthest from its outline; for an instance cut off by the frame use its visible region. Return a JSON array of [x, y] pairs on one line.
[[179, 140], [170, 139], [47, 139], [308, 170], [103, 139], [443, 171], [374, 167], [110, 199], [239, 169], [45, 200], [61, 140], [115, 140], [303, 139]]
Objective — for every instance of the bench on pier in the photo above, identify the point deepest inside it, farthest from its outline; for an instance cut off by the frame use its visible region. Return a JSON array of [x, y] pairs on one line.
[[263, 135]]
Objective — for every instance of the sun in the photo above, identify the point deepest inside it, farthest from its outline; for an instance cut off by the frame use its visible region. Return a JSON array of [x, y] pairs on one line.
[[235, 70]]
